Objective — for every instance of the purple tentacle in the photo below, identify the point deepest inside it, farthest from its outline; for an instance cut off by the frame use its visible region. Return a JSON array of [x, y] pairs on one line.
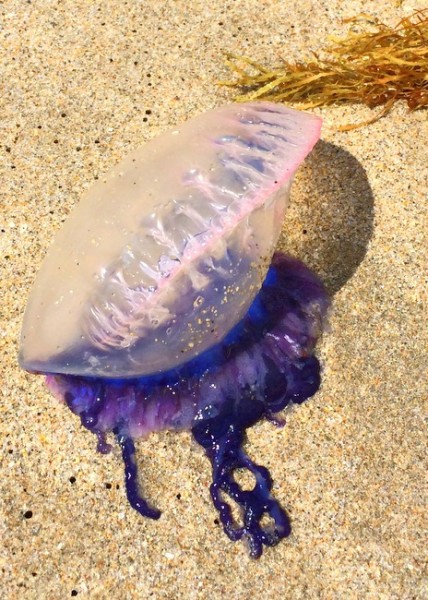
[[265, 363], [227, 455], [131, 479]]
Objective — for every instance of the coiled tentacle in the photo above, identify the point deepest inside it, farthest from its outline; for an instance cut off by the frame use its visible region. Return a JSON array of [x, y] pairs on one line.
[[223, 446]]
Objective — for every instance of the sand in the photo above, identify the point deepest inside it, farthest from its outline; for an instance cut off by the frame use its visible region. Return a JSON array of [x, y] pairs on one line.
[[85, 82]]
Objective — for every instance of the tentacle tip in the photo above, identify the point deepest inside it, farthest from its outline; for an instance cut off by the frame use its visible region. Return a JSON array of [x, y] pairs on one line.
[[154, 514], [141, 506], [255, 549], [260, 537]]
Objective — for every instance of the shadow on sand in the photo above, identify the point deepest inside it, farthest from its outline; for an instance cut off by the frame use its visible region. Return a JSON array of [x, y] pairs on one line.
[[330, 219]]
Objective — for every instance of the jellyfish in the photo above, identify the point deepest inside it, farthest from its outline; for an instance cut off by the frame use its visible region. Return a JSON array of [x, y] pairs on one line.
[[162, 303]]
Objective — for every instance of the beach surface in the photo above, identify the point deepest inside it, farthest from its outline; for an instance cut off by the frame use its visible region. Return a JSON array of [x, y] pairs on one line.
[[83, 84]]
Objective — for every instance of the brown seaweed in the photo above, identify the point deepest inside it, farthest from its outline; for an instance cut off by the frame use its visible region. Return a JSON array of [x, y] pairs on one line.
[[374, 68]]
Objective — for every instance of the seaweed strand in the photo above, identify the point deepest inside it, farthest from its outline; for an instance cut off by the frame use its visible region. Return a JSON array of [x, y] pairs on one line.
[[375, 68]]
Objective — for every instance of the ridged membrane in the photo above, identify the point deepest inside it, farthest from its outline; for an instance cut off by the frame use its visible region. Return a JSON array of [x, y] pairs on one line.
[[162, 257]]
